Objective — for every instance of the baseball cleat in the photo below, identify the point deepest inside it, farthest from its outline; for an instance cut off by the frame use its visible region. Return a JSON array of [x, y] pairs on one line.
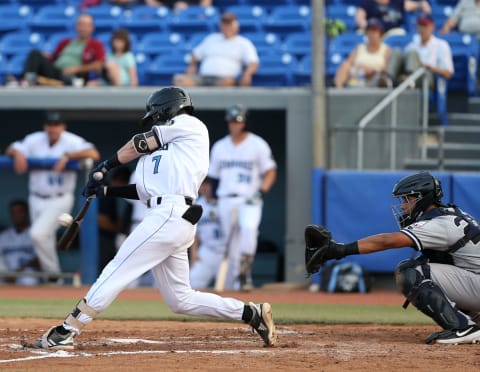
[[262, 322], [52, 339], [469, 335]]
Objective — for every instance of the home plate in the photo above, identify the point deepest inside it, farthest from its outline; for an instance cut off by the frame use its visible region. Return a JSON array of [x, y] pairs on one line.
[[134, 341]]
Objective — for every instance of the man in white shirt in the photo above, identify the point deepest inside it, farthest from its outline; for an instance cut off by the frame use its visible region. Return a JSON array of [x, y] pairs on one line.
[[225, 58], [425, 50]]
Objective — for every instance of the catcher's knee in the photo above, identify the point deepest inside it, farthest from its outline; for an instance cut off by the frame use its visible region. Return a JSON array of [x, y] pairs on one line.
[[407, 277], [80, 315]]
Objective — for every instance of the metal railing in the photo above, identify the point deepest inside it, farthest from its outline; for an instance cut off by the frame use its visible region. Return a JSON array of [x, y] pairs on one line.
[[391, 98]]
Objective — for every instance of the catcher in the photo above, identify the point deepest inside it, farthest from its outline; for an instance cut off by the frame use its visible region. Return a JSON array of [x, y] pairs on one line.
[[444, 281]]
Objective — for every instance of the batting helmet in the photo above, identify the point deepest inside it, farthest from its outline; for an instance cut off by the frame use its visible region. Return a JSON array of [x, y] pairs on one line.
[[236, 113], [166, 103], [425, 187]]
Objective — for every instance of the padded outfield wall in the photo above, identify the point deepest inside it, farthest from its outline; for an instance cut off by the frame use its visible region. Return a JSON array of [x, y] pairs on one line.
[[108, 117]]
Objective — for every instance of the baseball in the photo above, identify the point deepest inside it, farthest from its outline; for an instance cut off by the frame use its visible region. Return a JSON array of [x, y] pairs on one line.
[[65, 219], [98, 176]]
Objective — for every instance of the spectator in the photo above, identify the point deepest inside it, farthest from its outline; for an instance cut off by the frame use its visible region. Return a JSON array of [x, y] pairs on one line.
[[366, 65], [50, 190], [16, 245], [121, 68], [77, 57], [465, 17], [109, 219], [427, 50], [389, 12], [222, 56]]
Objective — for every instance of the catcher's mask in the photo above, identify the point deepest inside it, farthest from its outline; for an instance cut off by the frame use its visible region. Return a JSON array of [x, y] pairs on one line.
[[426, 189], [166, 103]]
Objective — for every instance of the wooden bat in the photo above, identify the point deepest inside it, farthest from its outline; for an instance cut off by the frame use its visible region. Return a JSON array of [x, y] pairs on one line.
[[222, 272], [72, 231]]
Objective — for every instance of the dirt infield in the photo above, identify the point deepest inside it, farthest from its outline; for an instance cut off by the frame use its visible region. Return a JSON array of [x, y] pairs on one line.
[[203, 346]]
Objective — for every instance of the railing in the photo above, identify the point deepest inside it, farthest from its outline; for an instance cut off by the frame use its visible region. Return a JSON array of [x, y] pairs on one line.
[[391, 98]]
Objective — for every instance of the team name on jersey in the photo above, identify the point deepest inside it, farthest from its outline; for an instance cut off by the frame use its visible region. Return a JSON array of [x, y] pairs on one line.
[[236, 164], [164, 147]]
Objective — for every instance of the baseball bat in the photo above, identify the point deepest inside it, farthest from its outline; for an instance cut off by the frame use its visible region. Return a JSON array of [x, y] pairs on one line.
[[72, 231], [222, 272]]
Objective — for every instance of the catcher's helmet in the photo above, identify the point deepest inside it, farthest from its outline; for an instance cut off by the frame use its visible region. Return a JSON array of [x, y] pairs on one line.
[[425, 187], [236, 113], [166, 103]]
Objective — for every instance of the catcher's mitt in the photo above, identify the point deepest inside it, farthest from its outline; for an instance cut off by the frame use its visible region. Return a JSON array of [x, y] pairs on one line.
[[317, 241]]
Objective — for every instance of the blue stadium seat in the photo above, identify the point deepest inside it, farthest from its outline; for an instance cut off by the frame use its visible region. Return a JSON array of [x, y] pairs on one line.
[[345, 43], [440, 13], [20, 43], [333, 62], [465, 53], [195, 39], [144, 19], [53, 40], [264, 41], [3, 72], [195, 19], [35, 4], [163, 67], [106, 16], [302, 72], [343, 12], [269, 4], [398, 41], [143, 61], [251, 17], [289, 18], [54, 18], [154, 44], [14, 17], [275, 70], [298, 44], [15, 64]]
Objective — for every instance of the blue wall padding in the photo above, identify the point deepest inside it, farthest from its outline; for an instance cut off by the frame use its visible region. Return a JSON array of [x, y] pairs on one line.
[[358, 204], [466, 193]]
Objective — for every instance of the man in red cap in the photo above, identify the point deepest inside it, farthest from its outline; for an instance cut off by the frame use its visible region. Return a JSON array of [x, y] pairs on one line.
[[426, 50]]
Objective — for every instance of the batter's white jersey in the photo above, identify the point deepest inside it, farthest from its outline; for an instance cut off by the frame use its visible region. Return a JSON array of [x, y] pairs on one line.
[[240, 167], [174, 169], [48, 182]]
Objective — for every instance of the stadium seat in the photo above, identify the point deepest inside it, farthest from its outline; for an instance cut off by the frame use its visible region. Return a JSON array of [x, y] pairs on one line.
[[15, 64], [287, 19], [275, 70], [3, 73], [269, 4], [343, 12], [35, 4], [440, 13], [345, 43], [333, 62], [106, 17], [465, 53], [14, 17], [398, 41], [54, 18], [251, 17], [154, 44], [195, 19], [145, 19], [20, 43], [195, 39], [53, 40], [302, 72], [264, 41], [143, 61], [163, 67], [298, 44]]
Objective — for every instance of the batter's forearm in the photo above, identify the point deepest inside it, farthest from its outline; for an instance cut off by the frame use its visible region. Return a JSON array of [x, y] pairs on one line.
[[127, 153]]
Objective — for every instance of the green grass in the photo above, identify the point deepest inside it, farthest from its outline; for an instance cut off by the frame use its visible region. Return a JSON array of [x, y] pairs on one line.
[[283, 313]]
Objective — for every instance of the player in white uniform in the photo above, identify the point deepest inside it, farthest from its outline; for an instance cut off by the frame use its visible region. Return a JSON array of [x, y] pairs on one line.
[[50, 190], [207, 252], [444, 282], [16, 245], [243, 168], [173, 161]]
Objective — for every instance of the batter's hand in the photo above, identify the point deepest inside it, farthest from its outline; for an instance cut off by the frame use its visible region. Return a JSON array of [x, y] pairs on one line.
[[317, 242], [93, 189]]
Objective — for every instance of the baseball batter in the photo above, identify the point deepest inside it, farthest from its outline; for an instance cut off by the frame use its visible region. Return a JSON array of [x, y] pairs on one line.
[[173, 161], [209, 248], [50, 190], [243, 170], [444, 282]]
